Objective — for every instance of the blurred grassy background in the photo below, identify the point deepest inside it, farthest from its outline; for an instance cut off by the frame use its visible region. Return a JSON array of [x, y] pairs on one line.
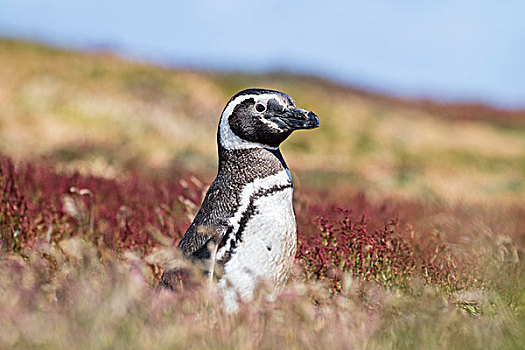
[[101, 115], [79, 270]]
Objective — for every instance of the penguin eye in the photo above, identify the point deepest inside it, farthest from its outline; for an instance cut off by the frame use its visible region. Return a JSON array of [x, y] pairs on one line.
[[259, 107]]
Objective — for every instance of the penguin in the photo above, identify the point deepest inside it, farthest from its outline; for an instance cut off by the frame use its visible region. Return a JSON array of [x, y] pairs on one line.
[[245, 231]]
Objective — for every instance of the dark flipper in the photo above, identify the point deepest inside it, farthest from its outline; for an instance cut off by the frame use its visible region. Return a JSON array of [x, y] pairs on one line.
[[177, 279], [173, 280]]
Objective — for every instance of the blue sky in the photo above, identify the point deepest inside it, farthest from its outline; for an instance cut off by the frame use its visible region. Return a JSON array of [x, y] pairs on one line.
[[460, 50]]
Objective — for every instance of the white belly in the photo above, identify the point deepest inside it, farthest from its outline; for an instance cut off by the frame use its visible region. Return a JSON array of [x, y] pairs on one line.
[[266, 251]]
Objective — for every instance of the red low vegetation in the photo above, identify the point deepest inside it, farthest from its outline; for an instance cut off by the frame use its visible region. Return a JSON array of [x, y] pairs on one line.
[[138, 213]]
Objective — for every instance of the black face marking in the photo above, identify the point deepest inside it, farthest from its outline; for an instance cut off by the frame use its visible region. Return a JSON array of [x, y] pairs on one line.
[[275, 107], [250, 211], [247, 124]]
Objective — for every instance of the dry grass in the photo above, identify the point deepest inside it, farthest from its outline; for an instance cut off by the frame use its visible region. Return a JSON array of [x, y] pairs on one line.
[[101, 115], [438, 263], [96, 302], [78, 268]]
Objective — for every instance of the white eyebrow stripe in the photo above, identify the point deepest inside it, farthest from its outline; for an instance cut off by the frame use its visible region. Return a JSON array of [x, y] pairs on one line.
[[258, 98], [231, 141]]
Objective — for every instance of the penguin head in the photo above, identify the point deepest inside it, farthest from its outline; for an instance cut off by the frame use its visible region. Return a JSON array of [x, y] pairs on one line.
[[261, 118]]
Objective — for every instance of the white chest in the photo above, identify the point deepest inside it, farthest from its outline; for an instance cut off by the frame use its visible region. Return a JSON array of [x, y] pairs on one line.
[[267, 248]]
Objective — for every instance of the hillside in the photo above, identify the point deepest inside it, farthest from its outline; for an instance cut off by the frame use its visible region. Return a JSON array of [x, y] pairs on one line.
[[100, 114], [410, 214]]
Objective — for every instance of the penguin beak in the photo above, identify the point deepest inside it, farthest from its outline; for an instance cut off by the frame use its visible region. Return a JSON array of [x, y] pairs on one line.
[[297, 118]]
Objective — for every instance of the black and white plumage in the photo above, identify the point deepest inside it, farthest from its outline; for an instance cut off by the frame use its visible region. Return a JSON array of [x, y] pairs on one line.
[[246, 225]]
